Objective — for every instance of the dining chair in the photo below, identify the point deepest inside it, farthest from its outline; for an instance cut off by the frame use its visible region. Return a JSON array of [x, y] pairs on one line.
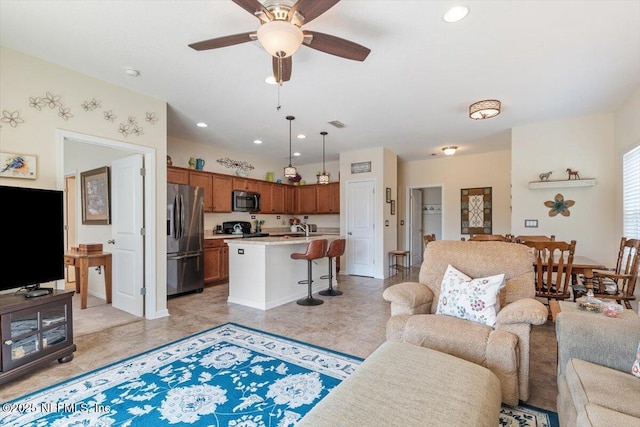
[[619, 283], [488, 238], [552, 265], [428, 238]]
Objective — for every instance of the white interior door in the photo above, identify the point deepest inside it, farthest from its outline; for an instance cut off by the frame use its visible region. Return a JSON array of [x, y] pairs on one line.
[[416, 226], [360, 228], [127, 223]]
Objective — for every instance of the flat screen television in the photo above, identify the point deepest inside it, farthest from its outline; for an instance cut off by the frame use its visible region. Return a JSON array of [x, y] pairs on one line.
[[32, 236]]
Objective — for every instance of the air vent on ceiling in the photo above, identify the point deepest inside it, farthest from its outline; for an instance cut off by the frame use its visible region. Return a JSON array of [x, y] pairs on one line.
[[338, 124]]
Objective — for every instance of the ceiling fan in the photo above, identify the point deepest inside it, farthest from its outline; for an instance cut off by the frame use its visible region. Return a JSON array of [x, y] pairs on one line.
[[280, 33]]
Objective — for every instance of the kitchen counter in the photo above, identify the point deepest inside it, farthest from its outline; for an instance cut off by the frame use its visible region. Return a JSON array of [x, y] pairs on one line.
[[262, 274]]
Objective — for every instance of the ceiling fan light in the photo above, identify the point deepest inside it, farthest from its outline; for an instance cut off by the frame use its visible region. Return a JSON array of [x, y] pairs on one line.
[[484, 109], [280, 38]]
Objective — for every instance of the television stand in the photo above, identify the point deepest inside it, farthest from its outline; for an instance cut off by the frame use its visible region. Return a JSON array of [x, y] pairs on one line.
[[34, 332]]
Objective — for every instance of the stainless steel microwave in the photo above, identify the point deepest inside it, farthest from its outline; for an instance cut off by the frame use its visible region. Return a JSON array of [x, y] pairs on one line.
[[245, 201]]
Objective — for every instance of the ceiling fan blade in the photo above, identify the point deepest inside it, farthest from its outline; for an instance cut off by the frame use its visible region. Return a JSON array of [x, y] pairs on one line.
[[337, 46], [282, 68], [222, 41], [311, 9], [253, 6]]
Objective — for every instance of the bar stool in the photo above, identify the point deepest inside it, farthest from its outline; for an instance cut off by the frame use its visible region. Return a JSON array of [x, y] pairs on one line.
[[393, 256], [316, 249], [336, 249]]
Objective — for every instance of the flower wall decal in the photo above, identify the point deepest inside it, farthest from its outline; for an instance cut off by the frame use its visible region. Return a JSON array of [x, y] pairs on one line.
[[235, 164], [108, 115], [151, 118], [13, 118], [559, 205]]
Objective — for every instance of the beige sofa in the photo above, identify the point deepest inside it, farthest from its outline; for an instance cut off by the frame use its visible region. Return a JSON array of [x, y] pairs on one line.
[[595, 355], [505, 349]]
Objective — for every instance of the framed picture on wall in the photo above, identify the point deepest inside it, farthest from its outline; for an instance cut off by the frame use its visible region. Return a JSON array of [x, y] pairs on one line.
[[18, 166], [96, 196], [476, 210]]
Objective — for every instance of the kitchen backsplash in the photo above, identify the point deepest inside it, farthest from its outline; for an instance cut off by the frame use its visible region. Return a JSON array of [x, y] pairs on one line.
[[270, 221]]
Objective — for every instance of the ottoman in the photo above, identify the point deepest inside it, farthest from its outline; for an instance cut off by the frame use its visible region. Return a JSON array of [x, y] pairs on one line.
[[400, 384]]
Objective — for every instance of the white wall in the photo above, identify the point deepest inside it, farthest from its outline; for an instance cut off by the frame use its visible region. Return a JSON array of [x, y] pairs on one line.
[[585, 144], [454, 173], [25, 77]]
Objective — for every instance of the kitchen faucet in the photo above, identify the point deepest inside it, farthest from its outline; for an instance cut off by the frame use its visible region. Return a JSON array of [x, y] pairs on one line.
[[305, 228]]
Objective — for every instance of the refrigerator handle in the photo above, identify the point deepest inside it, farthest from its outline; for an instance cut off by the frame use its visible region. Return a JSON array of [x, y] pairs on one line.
[[175, 217], [181, 216]]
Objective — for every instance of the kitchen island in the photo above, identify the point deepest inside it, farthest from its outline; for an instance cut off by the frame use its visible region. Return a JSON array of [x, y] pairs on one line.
[[262, 274]]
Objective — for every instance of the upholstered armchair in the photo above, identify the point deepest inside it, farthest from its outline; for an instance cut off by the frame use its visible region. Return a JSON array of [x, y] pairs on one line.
[[503, 348]]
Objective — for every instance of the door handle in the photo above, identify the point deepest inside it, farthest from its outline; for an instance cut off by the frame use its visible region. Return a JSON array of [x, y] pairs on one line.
[[111, 241]]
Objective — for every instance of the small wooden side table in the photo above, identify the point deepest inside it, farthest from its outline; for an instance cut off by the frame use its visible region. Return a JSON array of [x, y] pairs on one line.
[[82, 261]]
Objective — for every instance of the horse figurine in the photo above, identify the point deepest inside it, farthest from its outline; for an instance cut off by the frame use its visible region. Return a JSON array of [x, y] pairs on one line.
[[544, 176], [573, 174]]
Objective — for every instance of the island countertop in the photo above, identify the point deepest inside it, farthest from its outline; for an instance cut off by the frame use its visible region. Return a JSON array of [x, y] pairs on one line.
[[281, 240]]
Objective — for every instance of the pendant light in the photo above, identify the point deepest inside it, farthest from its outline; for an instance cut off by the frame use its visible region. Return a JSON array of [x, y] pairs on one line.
[[323, 178], [290, 171]]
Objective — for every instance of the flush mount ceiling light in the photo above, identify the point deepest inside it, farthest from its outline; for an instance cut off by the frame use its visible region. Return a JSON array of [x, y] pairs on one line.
[[290, 171], [323, 178], [455, 14], [484, 109], [202, 124], [280, 38], [449, 151], [131, 71]]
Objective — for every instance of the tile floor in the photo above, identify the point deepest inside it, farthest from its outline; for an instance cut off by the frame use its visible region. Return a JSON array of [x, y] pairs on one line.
[[353, 323]]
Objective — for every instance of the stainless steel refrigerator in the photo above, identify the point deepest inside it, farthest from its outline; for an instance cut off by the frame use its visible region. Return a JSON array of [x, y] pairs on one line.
[[185, 234]]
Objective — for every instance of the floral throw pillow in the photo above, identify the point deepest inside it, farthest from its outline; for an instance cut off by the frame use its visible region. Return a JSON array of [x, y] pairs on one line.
[[470, 299], [635, 369]]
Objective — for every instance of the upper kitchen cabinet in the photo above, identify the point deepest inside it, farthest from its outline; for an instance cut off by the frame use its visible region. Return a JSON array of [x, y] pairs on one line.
[[278, 196], [204, 180], [245, 184], [177, 175], [265, 188], [289, 199], [306, 199], [328, 198], [221, 199]]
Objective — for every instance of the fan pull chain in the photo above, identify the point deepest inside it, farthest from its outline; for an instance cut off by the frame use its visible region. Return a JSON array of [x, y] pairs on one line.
[[279, 76]]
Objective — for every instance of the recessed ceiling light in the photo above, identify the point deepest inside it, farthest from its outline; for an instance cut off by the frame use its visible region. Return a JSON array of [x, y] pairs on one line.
[[296, 154], [270, 80], [202, 124], [455, 14], [131, 71], [257, 141], [302, 136]]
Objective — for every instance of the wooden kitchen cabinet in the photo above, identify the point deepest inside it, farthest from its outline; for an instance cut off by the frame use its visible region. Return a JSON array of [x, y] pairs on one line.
[[278, 195], [306, 199], [221, 197], [177, 175], [328, 198], [265, 189], [289, 199], [216, 261], [204, 180], [245, 184]]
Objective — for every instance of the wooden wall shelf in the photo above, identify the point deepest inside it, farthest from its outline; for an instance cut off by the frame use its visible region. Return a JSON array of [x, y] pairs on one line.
[[587, 182]]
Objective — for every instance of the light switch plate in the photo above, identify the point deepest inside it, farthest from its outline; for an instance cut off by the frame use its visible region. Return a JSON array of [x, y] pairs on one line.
[[531, 223]]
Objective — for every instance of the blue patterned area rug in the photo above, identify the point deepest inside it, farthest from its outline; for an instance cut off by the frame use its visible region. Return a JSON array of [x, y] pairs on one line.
[[528, 416], [230, 375]]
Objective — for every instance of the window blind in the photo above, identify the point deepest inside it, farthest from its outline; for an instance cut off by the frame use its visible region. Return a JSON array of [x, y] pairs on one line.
[[631, 193]]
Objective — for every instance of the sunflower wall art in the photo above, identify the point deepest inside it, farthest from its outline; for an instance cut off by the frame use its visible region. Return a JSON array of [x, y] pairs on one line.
[[559, 205]]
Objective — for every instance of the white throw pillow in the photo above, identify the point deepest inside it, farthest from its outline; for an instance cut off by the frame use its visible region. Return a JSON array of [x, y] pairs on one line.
[[471, 299]]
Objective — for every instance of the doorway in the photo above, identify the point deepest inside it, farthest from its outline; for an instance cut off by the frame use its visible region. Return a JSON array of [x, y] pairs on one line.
[[87, 147], [425, 217], [69, 223]]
